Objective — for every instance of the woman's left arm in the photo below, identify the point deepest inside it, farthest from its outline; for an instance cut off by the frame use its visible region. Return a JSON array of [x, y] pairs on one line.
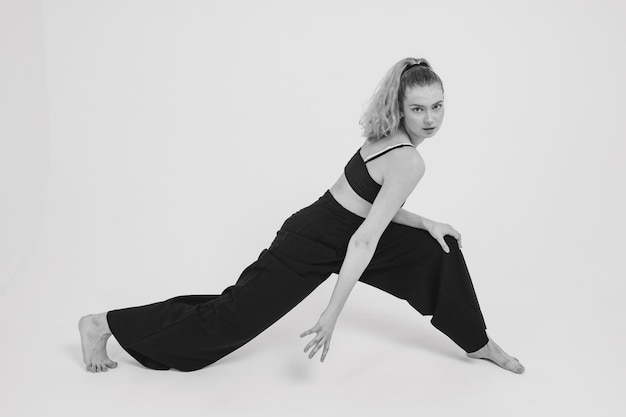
[[408, 218], [436, 229]]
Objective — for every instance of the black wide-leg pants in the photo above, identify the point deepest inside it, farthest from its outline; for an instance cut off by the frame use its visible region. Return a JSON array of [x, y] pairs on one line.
[[191, 332]]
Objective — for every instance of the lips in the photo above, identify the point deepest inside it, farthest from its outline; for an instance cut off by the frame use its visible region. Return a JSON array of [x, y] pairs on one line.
[[429, 128]]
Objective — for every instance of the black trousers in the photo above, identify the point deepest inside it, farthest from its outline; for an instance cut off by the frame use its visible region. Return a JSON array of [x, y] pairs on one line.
[[191, 332]]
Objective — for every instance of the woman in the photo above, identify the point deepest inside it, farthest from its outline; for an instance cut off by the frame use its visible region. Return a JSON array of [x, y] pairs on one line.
[[357, 229]]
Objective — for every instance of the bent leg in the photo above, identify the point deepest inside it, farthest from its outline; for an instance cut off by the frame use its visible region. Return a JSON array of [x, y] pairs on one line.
[[410, 264]]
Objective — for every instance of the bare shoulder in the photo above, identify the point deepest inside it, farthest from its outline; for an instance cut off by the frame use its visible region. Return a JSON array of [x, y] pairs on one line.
[[406, 162]]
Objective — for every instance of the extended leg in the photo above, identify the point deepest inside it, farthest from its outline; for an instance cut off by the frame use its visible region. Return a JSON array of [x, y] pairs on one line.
[[191, 332]]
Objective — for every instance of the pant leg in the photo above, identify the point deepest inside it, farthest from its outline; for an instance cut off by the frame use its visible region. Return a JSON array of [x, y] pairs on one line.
[[410, 264], [191, 332]]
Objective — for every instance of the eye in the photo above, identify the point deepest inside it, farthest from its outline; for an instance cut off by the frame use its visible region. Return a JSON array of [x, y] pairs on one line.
[[437, 106], [417, 109]]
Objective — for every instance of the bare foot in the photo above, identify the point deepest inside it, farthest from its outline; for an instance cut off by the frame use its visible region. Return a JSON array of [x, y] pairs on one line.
[[491, 351], [94, 333]]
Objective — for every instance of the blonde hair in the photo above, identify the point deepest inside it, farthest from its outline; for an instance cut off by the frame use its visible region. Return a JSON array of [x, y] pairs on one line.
[[382, 117]]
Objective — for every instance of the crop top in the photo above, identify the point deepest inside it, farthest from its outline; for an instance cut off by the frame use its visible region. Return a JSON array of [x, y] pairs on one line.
[[358, 176]]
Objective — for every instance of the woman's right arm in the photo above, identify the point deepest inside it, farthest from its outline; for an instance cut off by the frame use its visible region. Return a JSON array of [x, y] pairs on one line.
[[404, 170]]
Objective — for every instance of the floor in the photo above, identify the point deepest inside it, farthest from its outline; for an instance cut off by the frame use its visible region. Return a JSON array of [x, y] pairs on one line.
[[385, 358], [116, 127]]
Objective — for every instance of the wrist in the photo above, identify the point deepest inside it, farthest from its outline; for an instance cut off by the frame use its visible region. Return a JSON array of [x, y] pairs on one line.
[[425, 223], [420, 222], [331, 313]]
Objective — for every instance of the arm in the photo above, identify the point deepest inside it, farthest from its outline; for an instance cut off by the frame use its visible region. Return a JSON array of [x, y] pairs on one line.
[[404, 171], [408, 218], [436, 229]]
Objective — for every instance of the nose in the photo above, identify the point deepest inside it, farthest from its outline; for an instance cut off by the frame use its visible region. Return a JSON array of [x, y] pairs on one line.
[[428, 118]]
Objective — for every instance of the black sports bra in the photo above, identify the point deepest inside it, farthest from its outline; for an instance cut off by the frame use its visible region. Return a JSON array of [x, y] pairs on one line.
[[359, 178]]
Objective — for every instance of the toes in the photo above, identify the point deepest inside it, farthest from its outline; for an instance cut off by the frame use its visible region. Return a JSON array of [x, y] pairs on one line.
[[519, 368], [514, 366], [97, 367], [101, 366]]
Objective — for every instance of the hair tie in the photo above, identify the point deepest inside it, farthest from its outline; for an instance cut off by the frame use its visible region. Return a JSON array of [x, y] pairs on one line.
[[417, 64]]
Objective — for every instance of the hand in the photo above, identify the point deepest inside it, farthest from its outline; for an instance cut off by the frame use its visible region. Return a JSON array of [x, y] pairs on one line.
[[439, 230], [324, 329]]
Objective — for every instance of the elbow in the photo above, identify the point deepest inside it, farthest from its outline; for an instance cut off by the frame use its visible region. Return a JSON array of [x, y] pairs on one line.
[[362, 242]]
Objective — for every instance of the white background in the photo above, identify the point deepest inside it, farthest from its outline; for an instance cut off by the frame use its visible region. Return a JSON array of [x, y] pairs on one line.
[[152, 148]]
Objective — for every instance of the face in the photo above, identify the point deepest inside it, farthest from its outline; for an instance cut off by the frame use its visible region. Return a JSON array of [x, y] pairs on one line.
[[423, 111]]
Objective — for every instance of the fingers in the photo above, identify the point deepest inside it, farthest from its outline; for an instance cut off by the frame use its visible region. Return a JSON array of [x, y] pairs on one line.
[[325, 344], [315, 340], [455, 233], [443, 244], [314, 351], [457, 236], [439, 230], [325, 351], [439, 237], [313, 329], [312, 343], [321, 340], [317, 343]]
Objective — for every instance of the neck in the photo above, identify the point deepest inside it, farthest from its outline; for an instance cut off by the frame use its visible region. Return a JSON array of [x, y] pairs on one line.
[[414, 139]]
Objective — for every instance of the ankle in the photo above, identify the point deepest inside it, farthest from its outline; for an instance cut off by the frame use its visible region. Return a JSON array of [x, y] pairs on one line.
[[483, 349], [102, 324]]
